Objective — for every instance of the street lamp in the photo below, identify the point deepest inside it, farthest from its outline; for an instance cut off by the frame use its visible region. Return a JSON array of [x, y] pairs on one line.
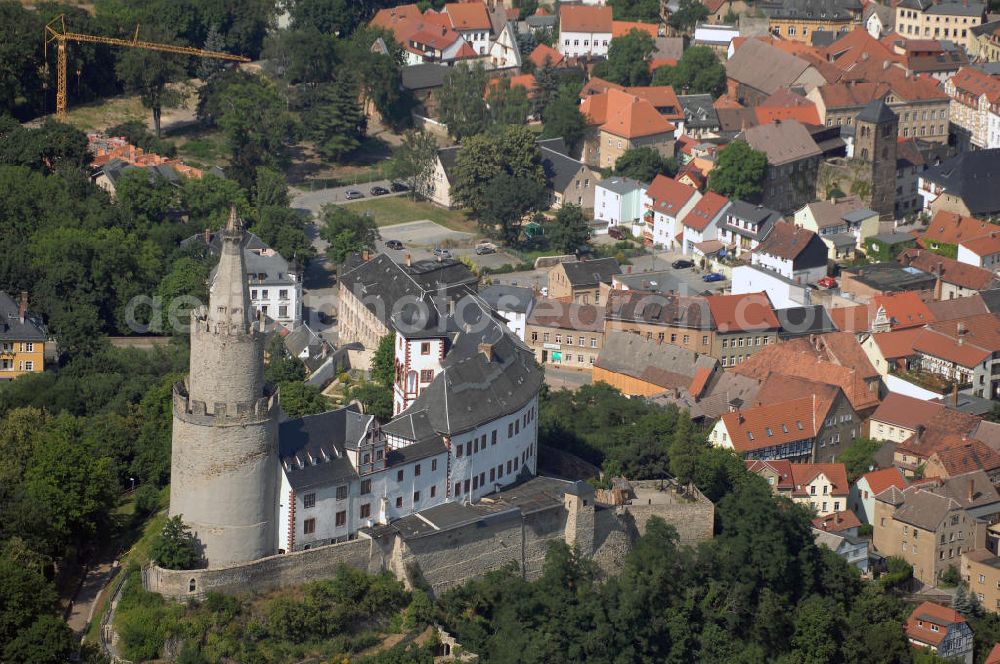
[[132, 479]]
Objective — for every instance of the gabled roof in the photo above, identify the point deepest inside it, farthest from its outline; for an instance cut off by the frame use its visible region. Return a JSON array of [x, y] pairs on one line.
[[760, 427], [896, 344], [959, 307], [710, 206], [543, 51], [876, 112], [622, 28], [783, 141], [837, 522], [13, 328], [624, 114], [903, 309], [964, 341], [950, 270], [786, 241], [951, 228], [787, 105], [567, 315], [986, 245], [970, 176], [669, 195], [781, 467], [970, 456], [918, 624], [560, 169], [938, 430], [880, 480], [905, 411], [659, 309], [764, 67], [585, 18], [468, 16], [746, 312], [665, 365]]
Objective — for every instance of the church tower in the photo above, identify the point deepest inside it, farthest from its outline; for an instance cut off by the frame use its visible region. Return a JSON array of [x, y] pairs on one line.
[[876, 127], [224, 463]]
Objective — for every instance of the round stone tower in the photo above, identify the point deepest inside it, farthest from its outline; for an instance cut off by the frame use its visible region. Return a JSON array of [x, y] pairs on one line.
[[224, 462]]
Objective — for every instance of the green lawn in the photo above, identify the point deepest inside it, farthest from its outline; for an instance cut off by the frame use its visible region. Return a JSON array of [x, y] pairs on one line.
[[402, 209]]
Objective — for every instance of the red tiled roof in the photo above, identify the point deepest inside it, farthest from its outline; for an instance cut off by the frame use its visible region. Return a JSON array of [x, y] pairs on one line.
[[994, 656], [468, 15], [904, 309], [783, 468], [896, 344], [985, 245], [970, 456], [950, 270], [851, 94], [669, 195], [543, 51], [880, 480], [621, 28], [918, 624], [951, 228], [974, 81], [584, 18], [786, 105], [850, 319], [857, 45], [662, 97], [942, 429], [745, 312], [624, 114], [597, 85], [785, 241], [710, 205], [837, 522], [804, 473], [979, 339], [699, 381], [526, 81], [765, 426]]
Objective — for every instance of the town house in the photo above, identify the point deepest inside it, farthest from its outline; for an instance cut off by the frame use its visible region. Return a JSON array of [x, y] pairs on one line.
[[22, 338], [667, 201]]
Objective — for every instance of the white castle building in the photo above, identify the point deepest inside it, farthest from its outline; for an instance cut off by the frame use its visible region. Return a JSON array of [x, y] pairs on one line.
[[466, 398]]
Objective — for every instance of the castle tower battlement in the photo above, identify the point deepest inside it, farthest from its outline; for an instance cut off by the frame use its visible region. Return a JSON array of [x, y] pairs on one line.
[[224, 457]]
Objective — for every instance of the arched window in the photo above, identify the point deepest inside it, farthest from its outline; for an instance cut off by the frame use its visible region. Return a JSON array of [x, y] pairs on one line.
[[192, 585], [411, 381], [864, 153]]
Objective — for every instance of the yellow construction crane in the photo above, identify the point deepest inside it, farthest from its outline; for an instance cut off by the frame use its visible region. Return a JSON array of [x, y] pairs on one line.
[[55, 31]]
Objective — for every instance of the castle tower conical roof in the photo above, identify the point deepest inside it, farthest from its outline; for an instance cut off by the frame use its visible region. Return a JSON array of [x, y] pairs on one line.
[[229, 300]]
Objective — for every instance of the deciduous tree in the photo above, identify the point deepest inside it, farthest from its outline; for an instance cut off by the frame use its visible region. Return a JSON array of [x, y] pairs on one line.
[[509, 199], [346, 232], [149, 73], [644, 164], [739, 172], [627, 59], [699, 71], [689, 14], [568, 231], [413, 161], [460, 102], [563, 119], [510, 150], [175, 547]]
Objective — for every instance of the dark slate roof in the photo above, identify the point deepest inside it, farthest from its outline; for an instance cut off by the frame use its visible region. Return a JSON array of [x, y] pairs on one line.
[[892, 277], [424, 76], [699, 112], [11, 327], [971, 176], [876, 112], [621, 185], [992, 299], [801, 321], [257, 258], [823, 38], [472, 389], [382, 281], [810, 9], [591, 273], [508, 298], [560, 169], [449, 157], [754, 214], [311, 448], [662, 364], [963, 8]]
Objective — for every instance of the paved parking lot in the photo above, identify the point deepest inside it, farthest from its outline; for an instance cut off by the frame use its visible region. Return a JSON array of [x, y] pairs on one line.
[[304, 199], [420, 238]]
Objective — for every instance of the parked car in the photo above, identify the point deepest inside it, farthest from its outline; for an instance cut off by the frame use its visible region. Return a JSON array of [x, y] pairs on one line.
[[393, 244], [682, 263], [353, 194], [378, 191], [398, 186], [827, 282], [616, 232], [442, 253], [544, 290], [713, 276], [485, 248]]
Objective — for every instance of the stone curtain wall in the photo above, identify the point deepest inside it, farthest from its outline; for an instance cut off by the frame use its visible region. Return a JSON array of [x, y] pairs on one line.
[[450, 557], [266, 574]]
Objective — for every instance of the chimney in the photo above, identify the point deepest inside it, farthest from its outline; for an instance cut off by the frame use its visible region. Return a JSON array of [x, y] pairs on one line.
[[487, 351], [408, 261], [954, 395], [22, 306], [972, 490], [961, 333], [920, 433], [907, 259]]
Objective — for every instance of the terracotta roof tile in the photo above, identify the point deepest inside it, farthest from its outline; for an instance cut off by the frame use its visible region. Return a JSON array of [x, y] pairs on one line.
[[965, 458], [975, 81], [765, 426], [468, 15], [904, 309], [985, 245], [880, 480], [896, 344], [783, 468], [950, 270], [942, 429], [786, 105], [622, 28], [951, 228], [905, 411], [746, 312], [662, 97], [543, 51], [669, 195], [918, 624], [837, 522], [804, 473], [585, 18], [707, 209], [786, 241], [850, 319], [965, 341], [994, 656], [699, 382]]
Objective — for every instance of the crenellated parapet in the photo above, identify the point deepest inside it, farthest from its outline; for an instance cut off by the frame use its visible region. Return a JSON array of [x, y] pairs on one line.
[[201, 323], [220, 413]]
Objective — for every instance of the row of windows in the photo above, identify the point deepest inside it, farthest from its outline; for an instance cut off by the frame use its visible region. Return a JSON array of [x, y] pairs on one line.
[[475, 445], [23, 347], [22, 365], [495, 474], [836, 506], [581, 341], [749, 342], [568, 357], [586, 42], [282, 294]]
